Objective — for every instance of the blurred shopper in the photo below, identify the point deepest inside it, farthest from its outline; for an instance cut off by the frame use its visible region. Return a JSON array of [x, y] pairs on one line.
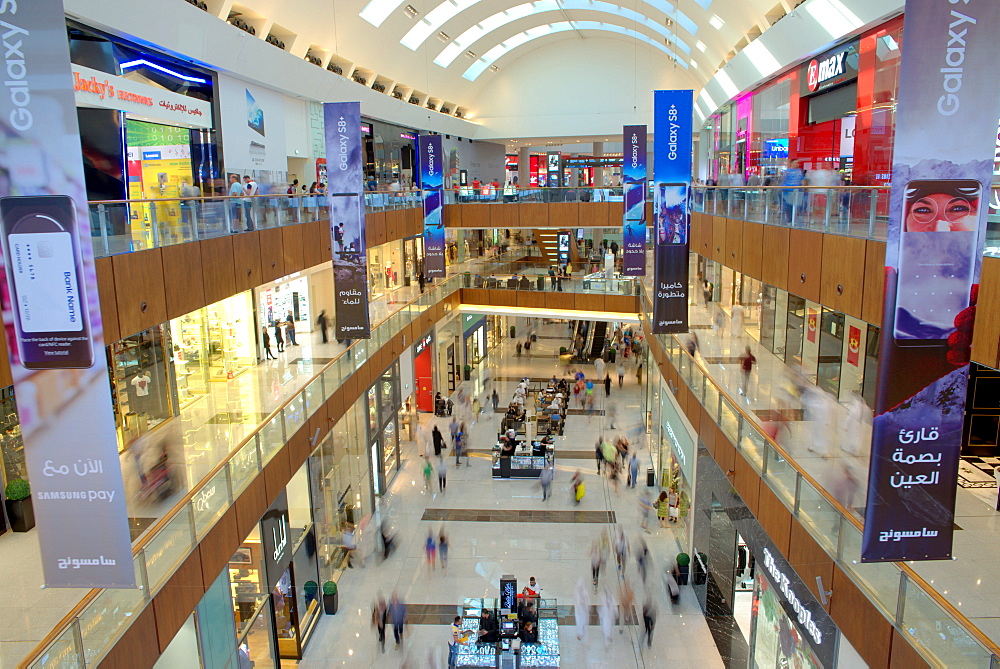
[[397, 613], [747, 361], [648, 620], [662, 508], [279, 340], [442, 475], [581, 609], [443, 548], [596, 562], [380, 615], [606, 615], [545, 479], [430, 551]]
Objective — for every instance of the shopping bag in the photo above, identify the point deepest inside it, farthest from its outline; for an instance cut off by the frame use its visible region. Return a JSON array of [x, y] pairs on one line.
[[580, 491]]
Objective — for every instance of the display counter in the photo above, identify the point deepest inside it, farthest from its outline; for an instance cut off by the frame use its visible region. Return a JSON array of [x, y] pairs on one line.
[[525, 463], [544, 653]]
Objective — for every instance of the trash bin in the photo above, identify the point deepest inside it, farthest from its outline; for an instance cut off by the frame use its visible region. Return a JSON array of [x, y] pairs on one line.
[[650, 477]]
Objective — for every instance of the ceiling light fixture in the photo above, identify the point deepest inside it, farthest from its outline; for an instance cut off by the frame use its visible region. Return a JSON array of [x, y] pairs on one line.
[[411, 11], [700, 46], [443, 36], [494, 68], [471, 55], [716, 21]]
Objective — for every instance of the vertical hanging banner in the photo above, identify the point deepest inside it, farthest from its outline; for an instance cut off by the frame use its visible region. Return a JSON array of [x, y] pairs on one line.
[[431, 183], [553, 166], [672, 116], [52, 312], [347, 218], [634, 180], [946, 123]]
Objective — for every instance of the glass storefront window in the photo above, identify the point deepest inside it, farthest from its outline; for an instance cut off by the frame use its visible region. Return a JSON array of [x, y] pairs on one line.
[[777, 642], [215, 343], [794, 327], [390, 448], [871, 365], [254, 646], [142, 390], [831, 346], [289, 298]]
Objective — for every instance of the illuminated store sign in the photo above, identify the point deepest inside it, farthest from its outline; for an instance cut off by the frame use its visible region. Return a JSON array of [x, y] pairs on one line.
[[93, 88], [831, 69]]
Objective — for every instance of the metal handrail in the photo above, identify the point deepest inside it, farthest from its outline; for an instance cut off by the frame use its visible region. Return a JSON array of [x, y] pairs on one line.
[[938, 599]]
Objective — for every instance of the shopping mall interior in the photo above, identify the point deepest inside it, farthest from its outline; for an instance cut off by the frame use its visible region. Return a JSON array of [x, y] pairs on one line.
[[486, 426]]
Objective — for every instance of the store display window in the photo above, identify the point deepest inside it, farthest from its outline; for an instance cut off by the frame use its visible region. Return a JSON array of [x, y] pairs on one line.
[[11, 443], [143, 393], [777, 642], [284, 301], [212, 344]]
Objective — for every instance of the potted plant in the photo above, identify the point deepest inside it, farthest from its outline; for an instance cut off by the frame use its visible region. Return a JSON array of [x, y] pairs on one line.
[[683, 565], [19, 509], [513, 331], [467, 371], [330, 600]]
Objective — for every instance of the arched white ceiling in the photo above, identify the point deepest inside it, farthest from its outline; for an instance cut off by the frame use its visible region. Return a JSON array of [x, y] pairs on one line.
[[449, 9], [488, 25], [508, 45]]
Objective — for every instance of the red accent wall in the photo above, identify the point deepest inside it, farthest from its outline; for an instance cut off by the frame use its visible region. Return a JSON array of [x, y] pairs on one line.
[[424, 380]]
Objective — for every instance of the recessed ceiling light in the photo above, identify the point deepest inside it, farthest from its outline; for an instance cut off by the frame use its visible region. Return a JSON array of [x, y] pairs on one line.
[[443, 36], [700, 46], [669, 21], [471, 55], [411, 10], [716, 21], [494, 68], [693, 63]]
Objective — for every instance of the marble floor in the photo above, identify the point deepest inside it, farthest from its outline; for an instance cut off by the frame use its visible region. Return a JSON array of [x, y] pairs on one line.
[[535, 540]]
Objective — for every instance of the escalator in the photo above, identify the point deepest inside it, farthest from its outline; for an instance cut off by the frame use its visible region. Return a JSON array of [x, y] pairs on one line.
[[600, 339]]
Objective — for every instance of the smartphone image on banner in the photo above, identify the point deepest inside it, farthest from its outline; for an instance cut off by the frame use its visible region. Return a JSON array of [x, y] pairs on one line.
[[670, 209], [937, 245], [44, 272], [432, 205], [634, 201]]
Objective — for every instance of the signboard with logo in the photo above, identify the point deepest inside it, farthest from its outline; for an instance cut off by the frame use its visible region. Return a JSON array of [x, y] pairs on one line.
[[101, 90], [508, 592], [52, 312], [553, 161], [347, 219], [833, 68], [634, 180], [253, 130], [942, 168], [431, 183], [276, 539], [672, 116]]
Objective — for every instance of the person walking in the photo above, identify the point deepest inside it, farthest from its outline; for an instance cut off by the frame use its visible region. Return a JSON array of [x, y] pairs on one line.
[[443, 548], [236, 190], [421, 280], [380, 614], [545, 479], [267, 346], [459, 439], [517, 349], [633, 469], [599, 454], [672, 506], [599, 368], [438, 440], [397, 613], [638, 373], [250, 188], [430, 549], [428, 473], [279, 341], [323, 322], [596, 562], [442, 475], [662, 508], [648, 620], [645, 506], [453, 429], [495, 399], [606, 615], [747, 361], [607, 385], [453, 640], [621, 374], [581, 609], [290, 329]]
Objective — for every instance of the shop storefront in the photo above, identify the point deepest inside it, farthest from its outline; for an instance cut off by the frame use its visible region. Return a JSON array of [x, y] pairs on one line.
[[449, 354], [423, 373], [288, 297], [144, 390], [737, 573], [212, 344], [677, 458], [163, 109], [395, 264], [835, 113], [382, 413], [474, 338], [390, 153]]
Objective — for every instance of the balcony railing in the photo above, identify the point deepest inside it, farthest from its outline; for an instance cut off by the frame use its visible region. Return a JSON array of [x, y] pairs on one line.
[[944, 636], [855, 211], [96, 623]]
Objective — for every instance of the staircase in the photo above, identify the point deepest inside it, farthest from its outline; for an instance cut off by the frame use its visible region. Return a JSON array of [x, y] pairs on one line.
[[548, 244]]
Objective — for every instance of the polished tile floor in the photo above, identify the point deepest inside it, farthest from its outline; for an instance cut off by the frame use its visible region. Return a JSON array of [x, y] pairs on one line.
[[524, 537]]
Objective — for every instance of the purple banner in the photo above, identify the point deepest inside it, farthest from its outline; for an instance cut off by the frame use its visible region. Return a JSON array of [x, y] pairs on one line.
[[946, 122], [634, 180], [52, 316], [672, 115], [347, 218], [431, 183]]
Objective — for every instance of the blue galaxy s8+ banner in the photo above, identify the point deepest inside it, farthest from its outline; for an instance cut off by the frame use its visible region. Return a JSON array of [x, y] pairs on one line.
[[672, 111], [634, 180], [431, 184], [347, 218], [52, 315], [946, 123]]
